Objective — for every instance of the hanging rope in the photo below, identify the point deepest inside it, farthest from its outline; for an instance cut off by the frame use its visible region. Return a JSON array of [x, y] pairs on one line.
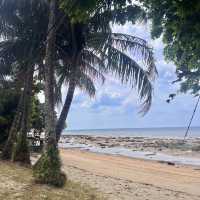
[[188, 128]]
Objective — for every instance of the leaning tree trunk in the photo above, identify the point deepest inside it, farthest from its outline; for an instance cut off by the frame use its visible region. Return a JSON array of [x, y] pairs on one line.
[[48, 168], [65, 110], [7, 150], [72, 85], [21, 150]]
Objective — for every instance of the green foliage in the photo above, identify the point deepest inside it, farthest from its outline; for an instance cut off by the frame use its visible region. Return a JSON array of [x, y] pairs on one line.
[[8, 106], [99, 51], [91, 20], [78, 10], [48, 168], [178, 22], [119, 11], [37, 118], [21, 27], [21, 150]]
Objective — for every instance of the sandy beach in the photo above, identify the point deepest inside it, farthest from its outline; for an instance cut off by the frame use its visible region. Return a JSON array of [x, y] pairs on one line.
[[123, 178]]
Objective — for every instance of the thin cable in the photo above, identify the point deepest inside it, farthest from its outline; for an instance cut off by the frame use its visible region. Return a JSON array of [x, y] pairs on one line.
[[194, 111]]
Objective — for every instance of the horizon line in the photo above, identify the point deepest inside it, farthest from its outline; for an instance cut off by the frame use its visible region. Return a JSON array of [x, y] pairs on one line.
[[158, 127]]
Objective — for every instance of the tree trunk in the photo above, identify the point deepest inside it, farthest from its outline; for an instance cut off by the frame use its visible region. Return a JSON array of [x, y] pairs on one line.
[[48, 169], [65, 110], [49, 74], [72, 85], [21, 150], [7, 151]]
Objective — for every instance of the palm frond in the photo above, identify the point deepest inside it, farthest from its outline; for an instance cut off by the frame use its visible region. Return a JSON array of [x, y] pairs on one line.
[[105, 15], [129, 72], [15, 14], [87, 84], [93, 59], [4, 72], [132, 45], [93, 65], [63, 75], [58, 89], [92, 72]]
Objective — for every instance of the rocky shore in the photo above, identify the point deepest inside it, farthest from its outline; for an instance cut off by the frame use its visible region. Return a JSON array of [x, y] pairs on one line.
[[170, 146]]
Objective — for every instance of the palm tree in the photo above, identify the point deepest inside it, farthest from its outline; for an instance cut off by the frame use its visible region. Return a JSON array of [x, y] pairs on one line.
[[21, 150], [20, 52], [11, 60], [76, 71], [48, 169], [93, 46]]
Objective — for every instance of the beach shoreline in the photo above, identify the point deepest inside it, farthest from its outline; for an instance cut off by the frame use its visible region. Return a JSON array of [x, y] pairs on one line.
[[171, 150], [122, 177], [119, 177]]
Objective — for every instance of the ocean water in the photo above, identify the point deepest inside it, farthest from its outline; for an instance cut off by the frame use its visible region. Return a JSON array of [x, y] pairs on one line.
[[177, 132]]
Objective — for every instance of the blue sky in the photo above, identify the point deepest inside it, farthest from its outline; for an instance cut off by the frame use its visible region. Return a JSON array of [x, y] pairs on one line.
[[117, 106]]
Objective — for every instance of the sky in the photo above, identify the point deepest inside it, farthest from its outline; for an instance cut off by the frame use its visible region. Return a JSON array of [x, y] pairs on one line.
[[117, 106]]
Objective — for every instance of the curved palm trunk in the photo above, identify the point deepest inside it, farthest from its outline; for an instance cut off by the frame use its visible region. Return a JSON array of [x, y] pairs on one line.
[[72, 85], [48, 168], [21, 149], [65, 110]]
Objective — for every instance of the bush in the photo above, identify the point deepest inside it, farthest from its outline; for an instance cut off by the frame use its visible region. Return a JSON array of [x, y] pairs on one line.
[[48, 168]]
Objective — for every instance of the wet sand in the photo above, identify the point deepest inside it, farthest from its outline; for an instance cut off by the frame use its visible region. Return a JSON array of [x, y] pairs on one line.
[[119, 177]]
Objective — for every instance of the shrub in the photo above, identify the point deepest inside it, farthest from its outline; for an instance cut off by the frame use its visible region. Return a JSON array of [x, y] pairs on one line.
[[48, 168]]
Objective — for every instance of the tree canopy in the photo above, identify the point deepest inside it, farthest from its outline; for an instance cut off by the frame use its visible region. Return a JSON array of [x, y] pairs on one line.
[[179, 25]]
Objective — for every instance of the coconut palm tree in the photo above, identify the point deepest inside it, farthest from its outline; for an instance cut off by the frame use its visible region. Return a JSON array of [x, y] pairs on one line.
[[23, 83], [91, 45], [20, 52], [48, 169], [83, 46]]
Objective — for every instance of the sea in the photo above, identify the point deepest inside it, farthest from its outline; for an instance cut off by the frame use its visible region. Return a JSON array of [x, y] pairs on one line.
[[164, 132]]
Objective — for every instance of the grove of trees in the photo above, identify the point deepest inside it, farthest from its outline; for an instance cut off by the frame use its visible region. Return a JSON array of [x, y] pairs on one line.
[[46, 45]]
